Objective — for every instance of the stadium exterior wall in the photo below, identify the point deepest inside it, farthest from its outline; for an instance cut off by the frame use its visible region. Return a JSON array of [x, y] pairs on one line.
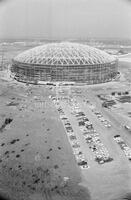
[[89, 74]]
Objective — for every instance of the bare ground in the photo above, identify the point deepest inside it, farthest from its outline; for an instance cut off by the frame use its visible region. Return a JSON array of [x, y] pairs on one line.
[[35, 153]]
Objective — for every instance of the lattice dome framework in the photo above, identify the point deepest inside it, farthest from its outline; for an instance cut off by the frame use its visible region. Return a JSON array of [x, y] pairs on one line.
[[68, 62]]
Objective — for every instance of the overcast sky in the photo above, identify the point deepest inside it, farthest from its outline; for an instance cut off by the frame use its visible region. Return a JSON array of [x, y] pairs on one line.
[[65, 18]]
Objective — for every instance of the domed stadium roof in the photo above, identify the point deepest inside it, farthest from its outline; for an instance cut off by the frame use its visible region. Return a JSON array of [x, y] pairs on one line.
[[64, 53]]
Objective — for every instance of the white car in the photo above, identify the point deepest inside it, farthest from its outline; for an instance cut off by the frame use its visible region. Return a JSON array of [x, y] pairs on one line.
[[127, 127], [76, 151], [86, 166]]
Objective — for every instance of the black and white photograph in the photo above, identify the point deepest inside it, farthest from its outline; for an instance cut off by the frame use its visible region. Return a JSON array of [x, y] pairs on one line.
[[65, 99]]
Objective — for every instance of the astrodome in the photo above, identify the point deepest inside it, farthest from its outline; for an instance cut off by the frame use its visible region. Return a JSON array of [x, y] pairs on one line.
[[65, 61]]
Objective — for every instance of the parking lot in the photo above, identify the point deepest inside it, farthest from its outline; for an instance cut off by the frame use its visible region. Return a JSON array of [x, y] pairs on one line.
[[89, 136], [81, 160], [91, 127], [92, 123]]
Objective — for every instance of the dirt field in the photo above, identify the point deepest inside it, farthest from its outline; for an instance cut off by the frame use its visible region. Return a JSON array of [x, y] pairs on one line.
[[35, 153]]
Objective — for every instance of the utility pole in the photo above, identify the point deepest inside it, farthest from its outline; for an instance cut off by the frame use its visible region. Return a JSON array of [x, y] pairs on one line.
[[2, 59]]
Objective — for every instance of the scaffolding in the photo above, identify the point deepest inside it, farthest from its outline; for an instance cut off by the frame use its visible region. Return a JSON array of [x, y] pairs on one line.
[[90, 74]]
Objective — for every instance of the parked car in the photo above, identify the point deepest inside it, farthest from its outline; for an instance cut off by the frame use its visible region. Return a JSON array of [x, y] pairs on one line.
[[127, 128]]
